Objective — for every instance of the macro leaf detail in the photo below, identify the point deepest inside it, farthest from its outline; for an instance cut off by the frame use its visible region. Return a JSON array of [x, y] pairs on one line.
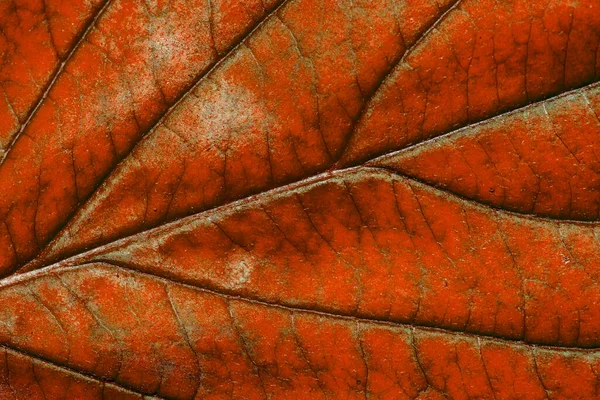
[[279, 199]]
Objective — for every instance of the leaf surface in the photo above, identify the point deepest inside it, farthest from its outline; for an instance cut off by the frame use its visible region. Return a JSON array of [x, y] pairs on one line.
[[539, 160], [37, 38], [117, 84], [182, 342], [304, 199]]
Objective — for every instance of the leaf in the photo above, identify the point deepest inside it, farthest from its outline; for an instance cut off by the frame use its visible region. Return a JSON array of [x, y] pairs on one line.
[[309, 198]]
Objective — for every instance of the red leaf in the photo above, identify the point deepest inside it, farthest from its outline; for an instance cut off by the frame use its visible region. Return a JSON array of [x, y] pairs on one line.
[[300, 199]]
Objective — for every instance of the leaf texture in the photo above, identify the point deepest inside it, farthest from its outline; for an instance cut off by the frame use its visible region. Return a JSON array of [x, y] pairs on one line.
[[26, 377], [300, 199], [37, 38], [539, 160], [398, 250], [116, 86], [225, 347]]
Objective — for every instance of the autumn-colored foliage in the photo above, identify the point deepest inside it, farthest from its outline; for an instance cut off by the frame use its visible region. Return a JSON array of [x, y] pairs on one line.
[[311, 199]]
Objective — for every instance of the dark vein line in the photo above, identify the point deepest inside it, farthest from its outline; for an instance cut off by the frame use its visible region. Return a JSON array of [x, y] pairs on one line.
[[304, 355], [8, 380], [54, 79], [186, 337], [537, 373], [415, 353], [464, 130], [485, 369], [35, 377], [279, 191], [231, 295], [69, 370], [477, 204], [395, 64], [257, 198]]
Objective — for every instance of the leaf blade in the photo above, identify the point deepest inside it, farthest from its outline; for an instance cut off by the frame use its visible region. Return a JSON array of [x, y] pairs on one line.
[[411, 254], [539, 160]]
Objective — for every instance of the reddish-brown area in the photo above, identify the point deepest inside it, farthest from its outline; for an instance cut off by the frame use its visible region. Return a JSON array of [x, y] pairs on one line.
[[24, 377], [279, 108], [222, 199], [374, 245], [541, 160], [249, 127], [493, 56], [117, 84], [180, 342], [36, 37]]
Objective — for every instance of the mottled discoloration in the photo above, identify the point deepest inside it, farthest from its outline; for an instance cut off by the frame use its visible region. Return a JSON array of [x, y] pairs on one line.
[[133, 65], [190, 206], [278, 109], [202, 344]]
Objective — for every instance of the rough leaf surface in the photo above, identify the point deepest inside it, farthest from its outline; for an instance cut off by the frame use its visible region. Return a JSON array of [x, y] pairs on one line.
[[312, 199]]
